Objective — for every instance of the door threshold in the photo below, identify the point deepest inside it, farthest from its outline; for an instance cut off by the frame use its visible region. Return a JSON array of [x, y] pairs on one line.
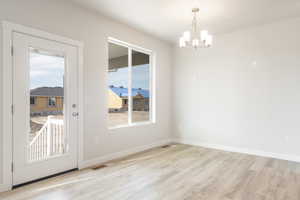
[[44, 178]]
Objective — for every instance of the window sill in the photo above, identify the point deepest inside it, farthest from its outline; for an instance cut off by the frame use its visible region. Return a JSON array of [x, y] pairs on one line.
[[131, 125]]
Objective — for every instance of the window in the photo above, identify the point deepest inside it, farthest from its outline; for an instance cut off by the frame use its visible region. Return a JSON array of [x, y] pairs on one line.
[[129, 85], [32, 100], [46, 81], [52, 101]]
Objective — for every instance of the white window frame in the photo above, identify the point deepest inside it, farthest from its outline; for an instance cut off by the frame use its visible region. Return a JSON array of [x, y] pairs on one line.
[[152, 99]]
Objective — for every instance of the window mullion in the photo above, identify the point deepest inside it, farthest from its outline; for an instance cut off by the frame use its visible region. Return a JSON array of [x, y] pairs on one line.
[[129, 86]]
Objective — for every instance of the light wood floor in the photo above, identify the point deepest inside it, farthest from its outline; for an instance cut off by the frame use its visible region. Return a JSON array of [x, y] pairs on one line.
[[180, 172]]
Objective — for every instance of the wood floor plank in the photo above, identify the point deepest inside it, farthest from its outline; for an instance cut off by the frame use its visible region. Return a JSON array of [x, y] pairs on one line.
[[179, 172]]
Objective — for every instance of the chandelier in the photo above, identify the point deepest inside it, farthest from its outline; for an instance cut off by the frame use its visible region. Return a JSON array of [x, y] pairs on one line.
[[195, 37]]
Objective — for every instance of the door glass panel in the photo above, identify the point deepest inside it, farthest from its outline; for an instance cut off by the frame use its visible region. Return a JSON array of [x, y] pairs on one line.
[[140, 87], [117, 86], [47, 137]]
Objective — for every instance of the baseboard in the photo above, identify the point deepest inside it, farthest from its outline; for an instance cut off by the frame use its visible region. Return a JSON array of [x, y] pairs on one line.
[[106, 158], [5, 187], [293, 158]]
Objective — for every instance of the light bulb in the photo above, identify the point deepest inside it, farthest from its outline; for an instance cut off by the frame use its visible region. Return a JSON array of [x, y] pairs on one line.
[[195, 43], [204, 35], [187, 36], [209, 40], [182, 42]]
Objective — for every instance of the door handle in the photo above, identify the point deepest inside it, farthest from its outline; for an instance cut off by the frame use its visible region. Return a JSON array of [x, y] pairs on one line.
[[75, 114]]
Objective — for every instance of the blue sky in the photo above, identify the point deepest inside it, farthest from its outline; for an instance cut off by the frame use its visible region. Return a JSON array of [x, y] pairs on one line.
[[46, 71], [140, 77]]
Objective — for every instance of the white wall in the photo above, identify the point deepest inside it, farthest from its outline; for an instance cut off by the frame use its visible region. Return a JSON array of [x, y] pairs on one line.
[[1, 134], [65, 19], [242, 93]]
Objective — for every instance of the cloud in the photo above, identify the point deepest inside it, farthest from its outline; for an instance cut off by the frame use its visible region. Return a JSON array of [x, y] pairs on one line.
[[38, 61], [37, 73]]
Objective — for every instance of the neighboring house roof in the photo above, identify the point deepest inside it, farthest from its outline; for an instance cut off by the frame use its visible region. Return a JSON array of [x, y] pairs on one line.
[[47, 92], [123, 92]]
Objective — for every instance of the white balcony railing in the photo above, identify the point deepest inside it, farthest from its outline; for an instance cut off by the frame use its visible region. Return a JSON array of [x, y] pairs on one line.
[[49, 141]]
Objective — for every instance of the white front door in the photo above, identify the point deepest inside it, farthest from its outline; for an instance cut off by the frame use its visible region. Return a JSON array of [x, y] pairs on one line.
[[45, 99]]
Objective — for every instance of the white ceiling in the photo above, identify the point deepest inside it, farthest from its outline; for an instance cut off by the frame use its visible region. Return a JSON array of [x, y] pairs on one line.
[[167, 19]]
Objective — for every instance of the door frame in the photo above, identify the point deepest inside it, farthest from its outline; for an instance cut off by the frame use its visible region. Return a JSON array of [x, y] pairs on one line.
[[8, 29]]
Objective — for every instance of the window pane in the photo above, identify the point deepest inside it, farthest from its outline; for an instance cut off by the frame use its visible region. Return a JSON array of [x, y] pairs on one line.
[[47, 137], [118, 85], [52, 101], [140, 87], [32, 100]]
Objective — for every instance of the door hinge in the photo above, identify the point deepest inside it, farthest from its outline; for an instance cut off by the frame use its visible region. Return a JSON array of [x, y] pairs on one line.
[[12, 109], [12, 167], [12, 50]]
